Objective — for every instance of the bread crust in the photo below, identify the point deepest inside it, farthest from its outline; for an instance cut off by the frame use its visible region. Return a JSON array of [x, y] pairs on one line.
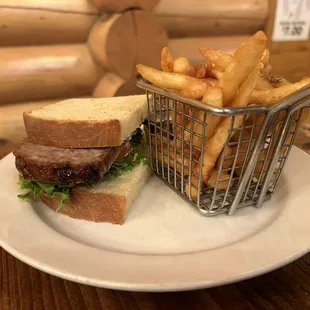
[[72, 134], [91, 206]]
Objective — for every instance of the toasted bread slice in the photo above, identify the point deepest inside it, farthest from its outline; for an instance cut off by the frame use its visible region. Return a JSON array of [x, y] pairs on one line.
[[86, 123], [106, 201]]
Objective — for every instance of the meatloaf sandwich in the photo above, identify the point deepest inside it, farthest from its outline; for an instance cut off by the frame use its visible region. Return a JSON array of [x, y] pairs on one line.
[[85, 158]]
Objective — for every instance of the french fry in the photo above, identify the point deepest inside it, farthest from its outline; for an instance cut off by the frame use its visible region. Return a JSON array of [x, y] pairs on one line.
[[163, 155], [265, 57], [212, 81], [263, 84], [272, 96], [277, 81], [218, 58], [246, 59], [194, 90], [223, 180], [214, 146], [227, 162], [266, 70], [213, 96], [215, 72], [173, 160], [168, 80], [166, 60], [182, 65], [222, 60], [201, 71]]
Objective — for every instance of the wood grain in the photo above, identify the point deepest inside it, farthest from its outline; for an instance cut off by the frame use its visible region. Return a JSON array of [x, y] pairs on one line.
[[11, 119], [73, 6], [23, 287], [47, 71], [151, 37], [112, 85], [112, 6], [187, 18], [24, 26], [112, 43]]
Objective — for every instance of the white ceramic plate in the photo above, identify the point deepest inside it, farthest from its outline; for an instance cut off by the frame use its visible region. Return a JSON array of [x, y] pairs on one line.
[[164, 245]]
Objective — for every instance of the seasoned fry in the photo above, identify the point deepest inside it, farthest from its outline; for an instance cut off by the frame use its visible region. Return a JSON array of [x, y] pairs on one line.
[[218, 58], [172, 159], [166, 60], [277, 81], [228, 159], [195, 90], [214, 146], [169, 80], [224, 80], [262, 84], [182, 65], [177, 160], [223, 180], [222, 60], [272, 96], [213, 96], [215, 72], [266, 70], [265, 57], [201, 71], [246, 59], [212, 81]]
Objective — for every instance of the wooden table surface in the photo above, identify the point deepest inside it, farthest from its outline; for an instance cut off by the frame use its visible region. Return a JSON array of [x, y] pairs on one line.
[[23, 287]]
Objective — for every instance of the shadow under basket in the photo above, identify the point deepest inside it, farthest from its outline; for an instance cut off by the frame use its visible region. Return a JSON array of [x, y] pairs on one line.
[[251, 149]]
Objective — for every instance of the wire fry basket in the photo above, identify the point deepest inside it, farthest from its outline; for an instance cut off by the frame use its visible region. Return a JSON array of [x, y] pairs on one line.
[[252, 151]]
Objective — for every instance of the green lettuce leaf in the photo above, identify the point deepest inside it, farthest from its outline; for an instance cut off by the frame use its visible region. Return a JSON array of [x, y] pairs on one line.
[[33, 189], [137, 156]]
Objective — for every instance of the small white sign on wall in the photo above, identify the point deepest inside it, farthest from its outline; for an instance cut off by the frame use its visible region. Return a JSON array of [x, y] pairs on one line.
[[292, 20]]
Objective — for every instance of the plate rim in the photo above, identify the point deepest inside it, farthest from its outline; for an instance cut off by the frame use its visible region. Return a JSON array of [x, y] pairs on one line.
[[160, 287]]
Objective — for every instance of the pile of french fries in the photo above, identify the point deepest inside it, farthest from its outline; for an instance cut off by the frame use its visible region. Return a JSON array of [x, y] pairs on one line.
[[223, 80]]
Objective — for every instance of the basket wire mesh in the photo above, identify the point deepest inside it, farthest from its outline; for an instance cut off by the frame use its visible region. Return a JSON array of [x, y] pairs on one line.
[[257, 143]]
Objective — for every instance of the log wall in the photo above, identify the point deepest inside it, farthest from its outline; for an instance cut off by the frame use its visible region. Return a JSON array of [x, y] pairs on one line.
[[45, 22], [116, 6], [188, 18], [11, 119], [42, 72]]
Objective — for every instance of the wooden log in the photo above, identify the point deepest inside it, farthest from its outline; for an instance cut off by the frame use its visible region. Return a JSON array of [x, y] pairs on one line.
[[188, 47], [151, 38], [187, 18], [72, 6], [112, 85], [112, 43], [112, 6], [42, 72], [11, 119], [27, 26], [123, 40]]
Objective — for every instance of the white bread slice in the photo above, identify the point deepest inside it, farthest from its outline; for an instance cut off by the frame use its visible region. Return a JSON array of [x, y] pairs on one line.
[[85, 123], [106, 201]]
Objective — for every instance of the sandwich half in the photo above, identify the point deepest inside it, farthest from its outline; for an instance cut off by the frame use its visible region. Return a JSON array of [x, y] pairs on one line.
[[85, 158]]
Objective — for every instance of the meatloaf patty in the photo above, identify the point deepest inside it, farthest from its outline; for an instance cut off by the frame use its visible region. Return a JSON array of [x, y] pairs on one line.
[[65, 166]]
